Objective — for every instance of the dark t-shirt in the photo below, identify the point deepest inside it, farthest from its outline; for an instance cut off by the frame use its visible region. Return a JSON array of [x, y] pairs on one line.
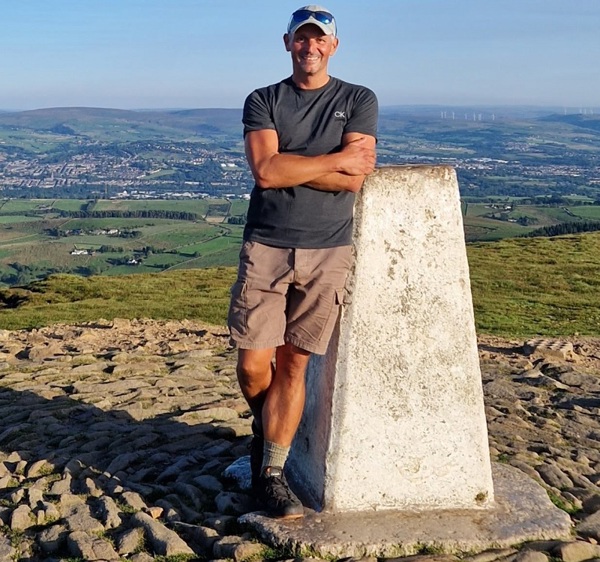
[[309, 123]]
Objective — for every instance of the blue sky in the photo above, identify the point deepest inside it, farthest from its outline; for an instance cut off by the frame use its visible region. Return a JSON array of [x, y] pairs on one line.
[[211, 53]]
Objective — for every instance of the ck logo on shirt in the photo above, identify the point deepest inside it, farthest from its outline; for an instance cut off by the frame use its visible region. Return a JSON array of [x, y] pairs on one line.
[[340, 115]]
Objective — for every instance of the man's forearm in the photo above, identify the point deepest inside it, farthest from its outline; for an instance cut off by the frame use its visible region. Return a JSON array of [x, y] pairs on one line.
[[286, 170], [337, 181], [272, 169]]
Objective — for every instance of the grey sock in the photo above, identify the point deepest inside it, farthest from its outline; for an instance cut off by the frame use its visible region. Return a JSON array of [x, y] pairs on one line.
[[274, 455]]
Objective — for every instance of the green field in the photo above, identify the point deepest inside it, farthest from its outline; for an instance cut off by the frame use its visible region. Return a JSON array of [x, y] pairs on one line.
[[586, 212], [34, 141], [41, 241], [199, 206], [238, 207], [32, 205], [12, 219], [21, 205], [25, 239], [479, 226]]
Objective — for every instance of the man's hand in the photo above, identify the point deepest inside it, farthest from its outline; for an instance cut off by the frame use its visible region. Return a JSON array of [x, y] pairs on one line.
[[354, 162], [357, 157]]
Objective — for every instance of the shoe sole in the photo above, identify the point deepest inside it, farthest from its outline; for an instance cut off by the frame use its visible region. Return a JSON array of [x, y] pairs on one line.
[[289, 517]]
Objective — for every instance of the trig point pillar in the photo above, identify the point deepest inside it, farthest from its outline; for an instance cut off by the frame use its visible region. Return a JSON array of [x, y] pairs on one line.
[[394, 417], [392, 451]]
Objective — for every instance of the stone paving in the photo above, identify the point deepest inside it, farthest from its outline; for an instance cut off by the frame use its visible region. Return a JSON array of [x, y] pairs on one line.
[[115, 437]]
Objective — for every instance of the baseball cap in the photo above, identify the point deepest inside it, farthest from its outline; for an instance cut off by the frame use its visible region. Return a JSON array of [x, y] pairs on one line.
[[317, 15]]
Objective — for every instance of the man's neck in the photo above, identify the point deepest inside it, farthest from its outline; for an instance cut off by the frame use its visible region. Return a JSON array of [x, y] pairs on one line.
[[305, 82]]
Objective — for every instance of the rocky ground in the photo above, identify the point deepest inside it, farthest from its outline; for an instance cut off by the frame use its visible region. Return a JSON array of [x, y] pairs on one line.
[[114, 438]]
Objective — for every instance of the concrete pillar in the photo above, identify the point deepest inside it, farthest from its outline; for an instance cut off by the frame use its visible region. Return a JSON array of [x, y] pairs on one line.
[[394, 417]]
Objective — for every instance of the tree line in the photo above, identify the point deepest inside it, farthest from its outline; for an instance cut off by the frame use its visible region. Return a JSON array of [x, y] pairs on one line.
[[137, 214], [574, 227], [60, 233]]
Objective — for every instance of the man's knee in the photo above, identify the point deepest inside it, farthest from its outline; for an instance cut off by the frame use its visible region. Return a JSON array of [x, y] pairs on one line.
[[254, 364]]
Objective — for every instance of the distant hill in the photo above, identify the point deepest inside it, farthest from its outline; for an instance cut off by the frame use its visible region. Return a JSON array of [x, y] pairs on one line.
[[109, 124], [88, 120], [578, 120]]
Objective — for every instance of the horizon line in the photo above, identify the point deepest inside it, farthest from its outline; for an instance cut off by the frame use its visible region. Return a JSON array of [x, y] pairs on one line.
[[579, 108]]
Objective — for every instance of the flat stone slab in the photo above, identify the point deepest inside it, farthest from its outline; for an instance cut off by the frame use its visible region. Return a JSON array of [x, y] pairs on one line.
[[521, 512], [549, 348]]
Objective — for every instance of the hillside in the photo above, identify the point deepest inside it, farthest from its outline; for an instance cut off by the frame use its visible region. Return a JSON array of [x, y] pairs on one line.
[[521, 287], [591, 122], [88, 121]]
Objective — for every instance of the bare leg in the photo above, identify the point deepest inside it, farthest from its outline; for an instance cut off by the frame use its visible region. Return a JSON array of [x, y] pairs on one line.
[[255, 373], [284, 401], [281, 394]]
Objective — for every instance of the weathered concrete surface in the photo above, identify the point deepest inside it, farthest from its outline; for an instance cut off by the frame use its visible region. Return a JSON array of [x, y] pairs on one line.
[[521, 512], [394, 416]]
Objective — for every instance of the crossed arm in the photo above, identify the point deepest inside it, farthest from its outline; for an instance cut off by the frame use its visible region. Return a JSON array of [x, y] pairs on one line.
[[340, 171]]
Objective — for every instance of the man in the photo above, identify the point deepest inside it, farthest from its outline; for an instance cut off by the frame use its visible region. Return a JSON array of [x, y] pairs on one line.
[[310, 142]]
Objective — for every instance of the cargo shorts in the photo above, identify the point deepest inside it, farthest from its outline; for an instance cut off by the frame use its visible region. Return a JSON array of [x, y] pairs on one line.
[[287, 295]]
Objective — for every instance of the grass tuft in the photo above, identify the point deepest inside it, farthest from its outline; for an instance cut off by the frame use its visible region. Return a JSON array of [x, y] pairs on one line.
[[562, 504]]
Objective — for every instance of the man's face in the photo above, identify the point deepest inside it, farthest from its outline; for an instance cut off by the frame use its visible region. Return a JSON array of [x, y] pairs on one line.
[[310, 49]]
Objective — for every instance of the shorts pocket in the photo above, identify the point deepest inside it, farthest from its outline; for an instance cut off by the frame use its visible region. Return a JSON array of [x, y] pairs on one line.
[[331, 303]]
